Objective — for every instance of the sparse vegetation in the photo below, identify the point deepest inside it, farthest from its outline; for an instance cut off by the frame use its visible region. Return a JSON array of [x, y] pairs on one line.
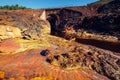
[[12, 7]]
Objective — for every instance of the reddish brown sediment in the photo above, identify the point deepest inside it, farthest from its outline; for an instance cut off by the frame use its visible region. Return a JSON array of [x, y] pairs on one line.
[[9, 45], [95, 57], [31, 64], [87, 61]]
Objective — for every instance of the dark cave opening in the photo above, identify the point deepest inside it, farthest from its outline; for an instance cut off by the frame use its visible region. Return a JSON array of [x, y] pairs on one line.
[[53, 20]]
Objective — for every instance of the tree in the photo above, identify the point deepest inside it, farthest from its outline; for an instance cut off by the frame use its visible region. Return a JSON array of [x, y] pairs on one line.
[[12, 7]]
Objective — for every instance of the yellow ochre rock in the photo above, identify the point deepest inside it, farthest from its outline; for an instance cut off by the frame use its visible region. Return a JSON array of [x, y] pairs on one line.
[[9, 32]]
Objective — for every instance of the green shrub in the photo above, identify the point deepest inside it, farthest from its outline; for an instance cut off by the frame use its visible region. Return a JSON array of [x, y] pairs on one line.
[[12, 7]]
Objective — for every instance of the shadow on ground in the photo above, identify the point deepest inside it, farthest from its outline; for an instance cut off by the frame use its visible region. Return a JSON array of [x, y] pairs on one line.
[[112, 46]]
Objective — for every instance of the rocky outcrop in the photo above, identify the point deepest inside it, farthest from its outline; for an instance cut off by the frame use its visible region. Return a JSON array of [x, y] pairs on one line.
[[111, 7], [31, 65], [30, 22], [97, 26], [103, 62], [104, 26], [9, 32]]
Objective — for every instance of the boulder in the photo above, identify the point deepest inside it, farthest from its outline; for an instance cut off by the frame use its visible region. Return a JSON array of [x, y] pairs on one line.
[[9, 32]]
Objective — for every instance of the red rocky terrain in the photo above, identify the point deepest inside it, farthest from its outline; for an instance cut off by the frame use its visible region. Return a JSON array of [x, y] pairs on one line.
[[99, 27], [90, 50], [100, 20], [28, 21], [49, 63]]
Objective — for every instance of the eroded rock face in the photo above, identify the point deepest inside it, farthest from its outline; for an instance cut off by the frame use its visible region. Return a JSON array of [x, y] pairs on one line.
[[103, 62], [9, 32], [111, 7], [102, 23], [28, 21], [99, 30], [103, 26], [97, 26], [31, 64]]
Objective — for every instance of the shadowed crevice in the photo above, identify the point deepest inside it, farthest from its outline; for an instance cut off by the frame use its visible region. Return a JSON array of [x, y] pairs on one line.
[[112, 46]]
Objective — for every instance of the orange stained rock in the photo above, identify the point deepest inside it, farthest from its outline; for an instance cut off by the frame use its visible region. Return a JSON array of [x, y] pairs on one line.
[[11, 79], [31, 64], [7, 31], [2, 75], [9, 45]]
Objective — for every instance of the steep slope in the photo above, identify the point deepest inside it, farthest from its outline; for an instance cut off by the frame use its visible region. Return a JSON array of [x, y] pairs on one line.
[[111, 7], [100, 2], [104, 26], [28, 21]]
